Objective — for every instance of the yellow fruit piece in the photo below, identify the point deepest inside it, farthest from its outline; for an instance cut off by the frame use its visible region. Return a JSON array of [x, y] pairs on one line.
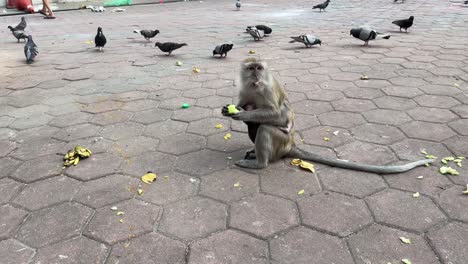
[[196, 70], [456, 85], [120, 213], [89, 42], [405, 240], [178, 63], [232, 109], [424, 152], [326, 139], [227, 136], [364, 77], [251, 51], [148, 178], [406, 261], [466, 191], [219, 126], [448, 170], [420, 177], [295, 162], [307, 166], [237, 185], [429, 156], [121, 221], [416, 194], [327, 130], [301, 192], [126, 245], [166, 177], [140, 191], [76, 160], [114, 208]]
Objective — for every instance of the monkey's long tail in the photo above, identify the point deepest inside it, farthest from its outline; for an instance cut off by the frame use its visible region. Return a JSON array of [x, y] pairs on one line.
[[302, 154]]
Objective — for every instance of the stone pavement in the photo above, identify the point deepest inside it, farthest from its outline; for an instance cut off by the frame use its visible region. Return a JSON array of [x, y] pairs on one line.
[[125, 105]]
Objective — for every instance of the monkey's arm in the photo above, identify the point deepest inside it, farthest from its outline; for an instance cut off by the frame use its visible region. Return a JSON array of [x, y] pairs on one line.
[[268, 116]]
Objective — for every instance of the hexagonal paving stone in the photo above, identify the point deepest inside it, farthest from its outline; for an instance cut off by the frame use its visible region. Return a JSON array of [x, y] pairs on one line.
[[111, 117], [76, 250], [214, 101], [53, 224], [435, 115], [139, 218], [387, 117], [9, 188], [287, 182], [305, 121], [238, 141], [402, 91], [310, 107], [6, 147], [380, 134], [454, 202], [303, 245], [363, 93], [458, 145], [182, 143], [437, 101], [151, 116], [94, 167], [9, 165], [460, 126], [335, 213], [65, 120], [198, 93], [220, 185], [368, 153], [461, 110], [193, 218], [229, 247], [37, 148], [165, 129], [394, 103], [149, 248], [341, 119], [176, 103], [380, 244], [401, 209], [410, 149], [12, 251], [316, 135], [202, 162], [325, 95], [263, 215], [47, 192], [77, 132], [134, 146], [450, 242], [103, 106], [139, 105], [207, 126], [170, 187], [106, 191], [192, 114], [355, 183], [428, 131], [432, 184], [353, 105], [122, 131], [11, 219], [151, 161], [38, 169], [97, 145]]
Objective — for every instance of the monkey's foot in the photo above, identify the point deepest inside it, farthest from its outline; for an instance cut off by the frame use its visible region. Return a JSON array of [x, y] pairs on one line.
[[250, 155], [250, 164]]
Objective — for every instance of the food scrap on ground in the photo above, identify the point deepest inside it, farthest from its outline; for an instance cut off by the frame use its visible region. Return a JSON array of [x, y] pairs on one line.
[[448, 170], [303, 164], [73, 156], [301, 192], [405, 240], [219, 126], [466, 191], [227, 136], [416, 194], [149, 177], [185, 106]]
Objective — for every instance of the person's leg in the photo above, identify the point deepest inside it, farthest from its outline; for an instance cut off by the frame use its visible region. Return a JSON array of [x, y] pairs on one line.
[[49, 11]]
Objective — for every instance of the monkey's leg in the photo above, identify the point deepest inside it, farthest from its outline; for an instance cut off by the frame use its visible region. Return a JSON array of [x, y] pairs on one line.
[[263, 150]]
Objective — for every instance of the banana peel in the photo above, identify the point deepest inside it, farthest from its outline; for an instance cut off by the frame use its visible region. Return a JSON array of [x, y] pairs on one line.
[[74, 156], [149, 177], [303, 164]]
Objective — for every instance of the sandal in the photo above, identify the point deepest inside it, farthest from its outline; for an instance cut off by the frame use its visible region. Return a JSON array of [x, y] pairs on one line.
[[42, 13], [49, 17]]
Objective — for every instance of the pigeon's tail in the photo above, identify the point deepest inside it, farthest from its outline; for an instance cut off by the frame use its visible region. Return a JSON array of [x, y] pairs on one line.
[[295, 39], [137, 31], [315, 7], [382, 36]]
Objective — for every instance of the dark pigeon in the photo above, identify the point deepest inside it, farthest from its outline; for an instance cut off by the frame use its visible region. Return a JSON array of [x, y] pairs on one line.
[[100, 40], [169, 46], [366, 34], [147, 34], [307, 40], [238, 4], [322, 6], [222, 49], [30, 50], [18, 34], [404, 23], [267, 30]]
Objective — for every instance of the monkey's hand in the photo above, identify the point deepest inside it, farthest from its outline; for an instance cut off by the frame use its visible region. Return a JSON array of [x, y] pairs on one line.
[[227, 110]]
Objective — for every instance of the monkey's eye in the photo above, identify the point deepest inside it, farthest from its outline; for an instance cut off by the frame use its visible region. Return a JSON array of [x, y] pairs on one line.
[[259, 68], [251, 68]]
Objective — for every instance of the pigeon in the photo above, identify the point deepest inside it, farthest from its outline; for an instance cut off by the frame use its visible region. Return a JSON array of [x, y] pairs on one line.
[[404, 23], [394, 1], [307, 40], [21, 26], [238, 5], [148, 34], [222, 49], [366, 34], [100, 39], [322, 6], [18, 34], [30, 50], [255, 33], [267, 30], [169, 46]]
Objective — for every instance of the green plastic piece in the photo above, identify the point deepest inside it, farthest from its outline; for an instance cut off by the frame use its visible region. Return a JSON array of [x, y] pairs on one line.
[[185, 106]]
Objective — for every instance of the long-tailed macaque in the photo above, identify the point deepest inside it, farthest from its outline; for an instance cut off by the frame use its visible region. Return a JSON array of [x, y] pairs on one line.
[[264, 108]]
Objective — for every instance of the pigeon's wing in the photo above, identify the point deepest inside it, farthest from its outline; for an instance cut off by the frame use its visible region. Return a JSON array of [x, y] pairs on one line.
[[21, 25], [398, 22], [145, 33], [367, 34], [309, 39], [218, 49]]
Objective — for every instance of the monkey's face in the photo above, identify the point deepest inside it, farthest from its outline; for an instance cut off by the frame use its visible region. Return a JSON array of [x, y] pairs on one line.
[[254, 71]]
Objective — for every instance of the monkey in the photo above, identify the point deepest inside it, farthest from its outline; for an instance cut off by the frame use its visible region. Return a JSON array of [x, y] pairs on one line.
[[263, 106]]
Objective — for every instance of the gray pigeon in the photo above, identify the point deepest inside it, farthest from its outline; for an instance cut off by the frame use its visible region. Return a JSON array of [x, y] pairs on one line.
[[169, 47], [366, 34], [238, 5], [21, 26], [222, 49], [30, 50], [18, 34], [255, 33], [307, 40], [147, 34]]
